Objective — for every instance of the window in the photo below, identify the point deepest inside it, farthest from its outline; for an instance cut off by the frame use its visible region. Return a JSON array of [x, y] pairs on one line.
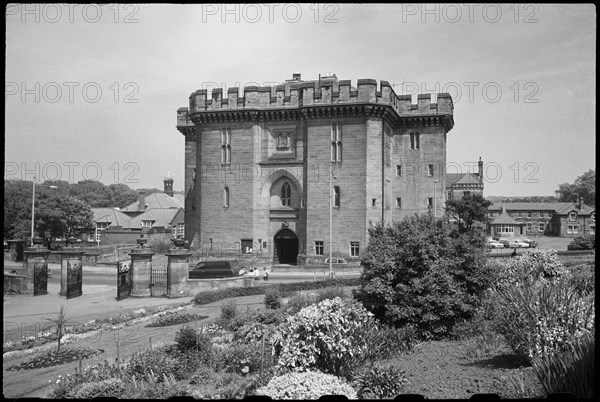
[[542, 226], [520, 214], [572, 216], [318, 248], [529, 214], [398, 170], [399, 202], [283, 142], [449, 195], [180, 230], [430, 170], [286, 194], [373, 202], [336, 142], [414, 141], [246, 245], [336, 196], [147, 223], [548, 214], [226, 146], [417, 138], [572, 229], [226, 197], [301, 202], [430, 202], [593, 228], [505, 229], [593, 217], [354, 248]]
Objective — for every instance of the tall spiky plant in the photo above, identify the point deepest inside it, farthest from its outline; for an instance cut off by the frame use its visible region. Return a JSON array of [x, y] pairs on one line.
[[60, 322]]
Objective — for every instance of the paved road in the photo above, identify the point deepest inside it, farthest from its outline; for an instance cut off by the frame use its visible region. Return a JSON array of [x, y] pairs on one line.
[[24, 315]]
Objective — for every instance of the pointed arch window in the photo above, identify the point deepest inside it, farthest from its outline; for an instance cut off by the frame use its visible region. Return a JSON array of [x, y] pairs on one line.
[[286, 194]]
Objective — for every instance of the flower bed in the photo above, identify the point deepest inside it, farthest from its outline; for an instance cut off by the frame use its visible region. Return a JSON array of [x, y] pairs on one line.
[[54, 357], [174, 317]]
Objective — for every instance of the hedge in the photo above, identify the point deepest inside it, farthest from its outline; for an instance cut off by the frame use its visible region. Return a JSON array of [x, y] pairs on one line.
[[286, 289]]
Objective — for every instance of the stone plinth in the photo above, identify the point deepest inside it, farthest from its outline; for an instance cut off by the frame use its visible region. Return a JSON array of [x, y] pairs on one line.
[[35, 256], [141, 269], [177, 272], [69, 256]]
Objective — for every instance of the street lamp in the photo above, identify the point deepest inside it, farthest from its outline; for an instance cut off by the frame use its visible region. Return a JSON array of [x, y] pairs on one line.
[[33, 210], [434, 198], [331, 177]]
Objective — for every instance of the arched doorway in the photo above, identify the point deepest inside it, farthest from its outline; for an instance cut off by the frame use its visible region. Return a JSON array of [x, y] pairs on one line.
[[286, 247]]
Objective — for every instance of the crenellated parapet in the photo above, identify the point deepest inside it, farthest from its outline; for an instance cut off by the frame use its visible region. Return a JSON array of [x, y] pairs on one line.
[[298, 95]]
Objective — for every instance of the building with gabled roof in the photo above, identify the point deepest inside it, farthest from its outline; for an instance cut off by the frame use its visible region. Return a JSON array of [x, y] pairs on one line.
[[544, 218], [460, 184]]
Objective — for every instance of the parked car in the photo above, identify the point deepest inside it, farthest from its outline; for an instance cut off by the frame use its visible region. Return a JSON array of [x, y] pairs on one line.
[[531, 243], [336, 261], [521, 243], [509, 243], [215, 269], [494, 244]]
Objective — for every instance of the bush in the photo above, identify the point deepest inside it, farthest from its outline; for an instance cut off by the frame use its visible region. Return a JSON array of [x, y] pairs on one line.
[[585, 242], [160, 245], [106, 388], [422, 272], [212, 385], [272, 298], [297, 302], [156, 362], [252, 333], [324, 337], [270, 317], [67, 386], [286, 289], [247, 359], [572, 371], [306, 385], [583, 278], [330, 293], [532, 266], [156, 387], [543, 317], [187, 338], [380, 383]]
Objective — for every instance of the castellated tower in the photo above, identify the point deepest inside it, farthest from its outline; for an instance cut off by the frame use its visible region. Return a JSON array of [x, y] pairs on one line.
[[257, 165]]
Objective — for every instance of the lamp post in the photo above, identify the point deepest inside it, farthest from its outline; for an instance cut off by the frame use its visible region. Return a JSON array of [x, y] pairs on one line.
[[434, 199], [330, 220], [33, 210]]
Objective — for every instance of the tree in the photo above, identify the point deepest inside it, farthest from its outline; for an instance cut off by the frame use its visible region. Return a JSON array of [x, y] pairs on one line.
[[422, 272], [94, 193], [467, 210], [60, 215], [584, 186], [121, 195], [60, 322]]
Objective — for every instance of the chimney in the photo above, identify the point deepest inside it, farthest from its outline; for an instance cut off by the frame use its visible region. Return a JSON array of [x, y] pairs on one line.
[[141, 201], [296, 77], [480, 165]]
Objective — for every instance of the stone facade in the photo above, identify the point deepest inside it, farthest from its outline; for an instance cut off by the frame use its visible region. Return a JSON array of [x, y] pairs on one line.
[[257, 166]]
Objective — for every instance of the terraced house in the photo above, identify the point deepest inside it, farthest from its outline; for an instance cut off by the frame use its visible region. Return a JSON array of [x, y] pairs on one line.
[[542, 219], [257, 165]]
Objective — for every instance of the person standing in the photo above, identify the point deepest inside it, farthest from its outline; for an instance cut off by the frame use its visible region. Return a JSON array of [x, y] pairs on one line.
[[266, 276], [256, 274]]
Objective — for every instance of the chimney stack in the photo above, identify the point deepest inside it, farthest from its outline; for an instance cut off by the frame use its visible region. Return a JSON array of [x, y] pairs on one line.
[[168, 185], [480, 165], [142, 201]]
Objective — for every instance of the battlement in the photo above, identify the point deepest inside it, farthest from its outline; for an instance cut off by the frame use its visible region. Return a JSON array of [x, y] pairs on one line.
[[326, 91]]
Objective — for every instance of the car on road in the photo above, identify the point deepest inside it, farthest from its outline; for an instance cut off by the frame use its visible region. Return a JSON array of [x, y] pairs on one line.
[[531, 243], [215, 270], [336, 261]]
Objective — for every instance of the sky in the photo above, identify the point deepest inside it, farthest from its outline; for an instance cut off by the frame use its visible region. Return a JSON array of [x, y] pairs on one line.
[[91, 92]]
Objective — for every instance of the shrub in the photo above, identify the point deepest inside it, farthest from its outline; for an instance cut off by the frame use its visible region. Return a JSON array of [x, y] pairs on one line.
[[306, 385], [585, 242], [532, 266], [297, 302], [543, 317], [211, 385], [380, 383], [113, 387], [193, 348], [330, 293], [583, 277], [420, 271], [156, 387], [160, 245], [272, 298], [67, 386], [325, 337], [247, 359], [253, 333], [229, 311], [571, 371], [386, 342], [154, 361], [187, 338], [270, 317]]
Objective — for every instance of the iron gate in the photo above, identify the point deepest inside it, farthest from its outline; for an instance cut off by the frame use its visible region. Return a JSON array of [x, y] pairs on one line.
[[159, 282], [123, 279], [74, 279], [40, 278]]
